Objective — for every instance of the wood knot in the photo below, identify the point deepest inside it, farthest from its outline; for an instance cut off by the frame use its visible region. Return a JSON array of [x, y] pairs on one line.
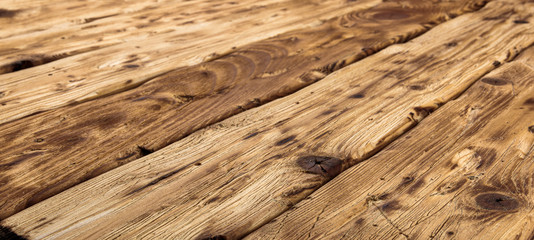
[[494, 81], [496, 201], [326, 166], [421, 112]]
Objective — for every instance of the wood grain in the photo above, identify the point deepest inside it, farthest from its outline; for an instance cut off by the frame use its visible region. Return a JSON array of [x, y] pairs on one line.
[[18, 17], [113, 69], [89, 26], [233, 177], [27, 16], [84, 27], [463, 173], [75, 143]]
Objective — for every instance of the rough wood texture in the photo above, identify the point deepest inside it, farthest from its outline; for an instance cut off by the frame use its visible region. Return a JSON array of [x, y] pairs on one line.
[[75, 143], [84, 27], [19, 17], [36, 36], [463, 173], [233, 177], [117, 68]]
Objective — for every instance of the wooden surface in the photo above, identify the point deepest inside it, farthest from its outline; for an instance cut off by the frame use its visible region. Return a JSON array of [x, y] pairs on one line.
[[75, 143], [233, 177], [285, 119], [466, 177], [108, 70]]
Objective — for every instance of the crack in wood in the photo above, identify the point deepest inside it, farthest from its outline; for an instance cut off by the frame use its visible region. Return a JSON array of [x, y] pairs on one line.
[[316, 220], [390, 222]]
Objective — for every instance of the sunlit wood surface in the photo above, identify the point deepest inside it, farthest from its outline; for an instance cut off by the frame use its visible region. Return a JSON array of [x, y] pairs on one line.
[[275, 119]]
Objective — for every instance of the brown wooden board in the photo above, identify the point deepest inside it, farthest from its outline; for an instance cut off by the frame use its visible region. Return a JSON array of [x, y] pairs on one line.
[[75, 143], [464, 173], [34, 33], [108, 70], [232, 177]]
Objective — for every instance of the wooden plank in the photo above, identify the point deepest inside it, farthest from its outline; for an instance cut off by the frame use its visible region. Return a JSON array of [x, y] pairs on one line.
[[26, 16], [117, 68], [80, 29], [233, 177], [75, 143], [463, 173], [84, 27]]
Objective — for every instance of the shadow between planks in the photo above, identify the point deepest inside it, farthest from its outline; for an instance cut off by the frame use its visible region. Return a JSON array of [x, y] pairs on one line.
[[250, 168], [50, 152]]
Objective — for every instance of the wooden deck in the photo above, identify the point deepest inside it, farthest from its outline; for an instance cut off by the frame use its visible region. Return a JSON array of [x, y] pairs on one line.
[[272, 119]]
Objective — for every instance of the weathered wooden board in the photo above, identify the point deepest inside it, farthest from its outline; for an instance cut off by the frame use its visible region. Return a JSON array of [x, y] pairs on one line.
[[233, 177], [81, 29], [117, 68], [72, 144], [84, 27], [463, 173], [29, 16]]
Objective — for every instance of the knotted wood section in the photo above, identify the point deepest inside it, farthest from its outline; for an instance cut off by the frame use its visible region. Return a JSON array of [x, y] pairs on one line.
[[233, 177], [50, 152], [463, 173]]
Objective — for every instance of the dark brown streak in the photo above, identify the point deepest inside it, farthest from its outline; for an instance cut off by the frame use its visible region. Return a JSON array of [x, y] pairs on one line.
[[88, 20], [8, 234], [161, 178], [5, 13]]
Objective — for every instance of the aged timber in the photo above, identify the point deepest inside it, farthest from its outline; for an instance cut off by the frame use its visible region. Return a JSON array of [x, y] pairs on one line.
[[464, 173], [233, 177], [50, 152]]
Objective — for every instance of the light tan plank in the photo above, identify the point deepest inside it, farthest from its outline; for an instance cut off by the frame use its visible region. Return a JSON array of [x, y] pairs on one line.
[[117, 68], [29, 16], [463, 173], [74, 143], [233, 177]]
